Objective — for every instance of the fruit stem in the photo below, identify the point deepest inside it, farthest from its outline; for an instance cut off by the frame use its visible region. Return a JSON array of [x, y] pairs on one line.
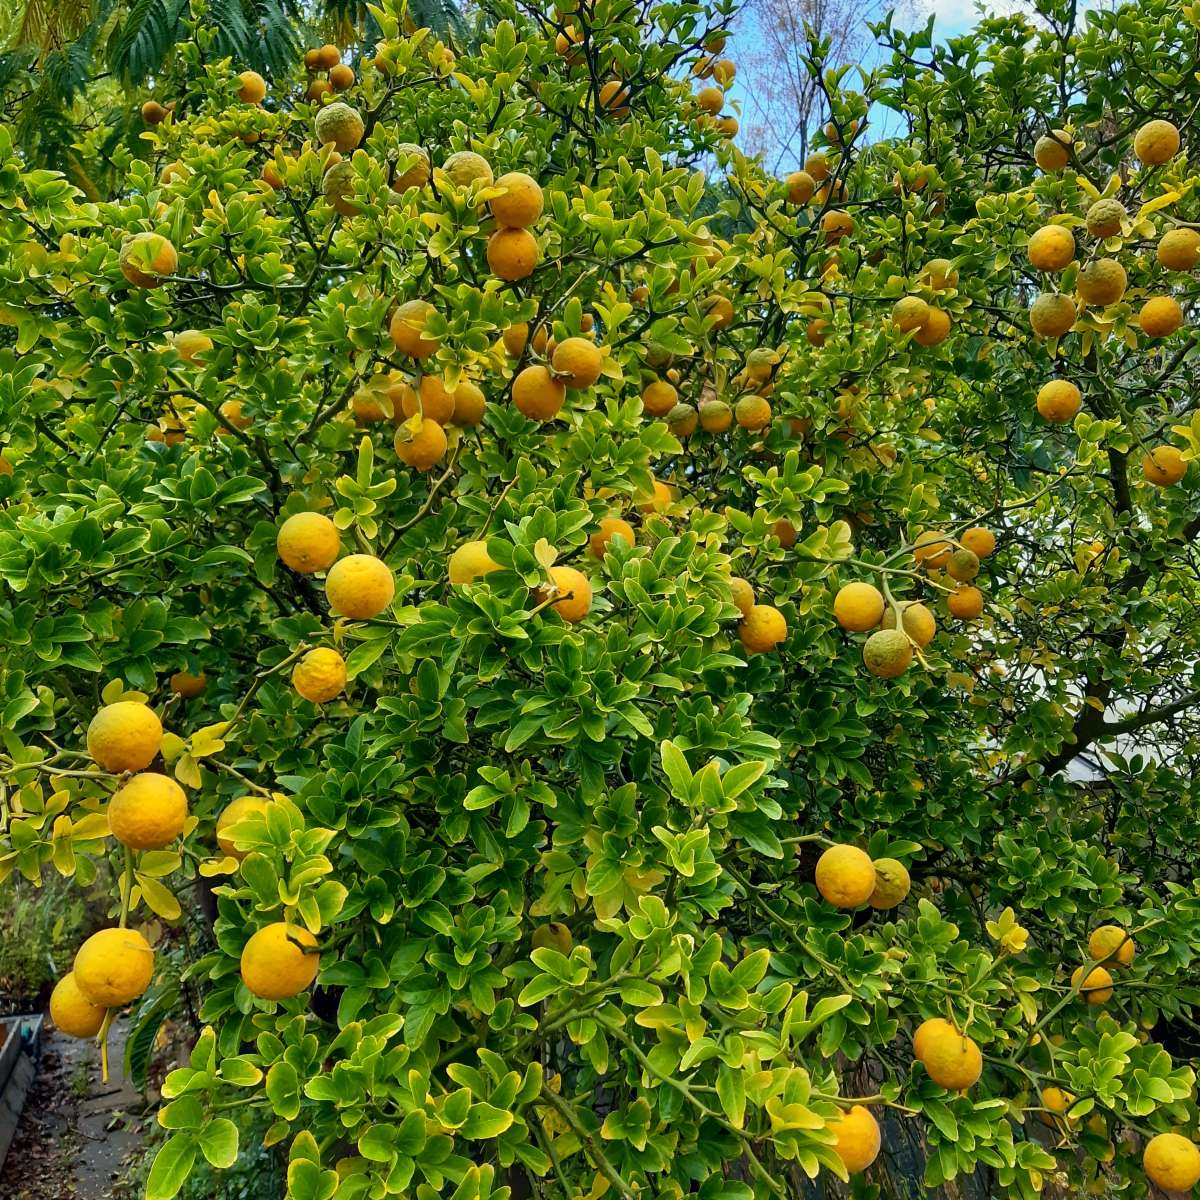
[[126, 887]]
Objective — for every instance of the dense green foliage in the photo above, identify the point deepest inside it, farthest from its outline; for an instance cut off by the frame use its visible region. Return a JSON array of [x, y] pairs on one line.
[[634, 791]]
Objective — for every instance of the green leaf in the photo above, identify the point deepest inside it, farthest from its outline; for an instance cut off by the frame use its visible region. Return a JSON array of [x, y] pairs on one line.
[[171, 1167]]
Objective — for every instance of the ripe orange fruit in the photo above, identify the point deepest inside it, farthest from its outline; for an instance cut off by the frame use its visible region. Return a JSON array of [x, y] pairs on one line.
[[1163, 466], [416, 173], [919, 622], [1156, 142], [234, 414], [420, 443], [72, 1012], [538, 394], [845, 876], [800, 187], [146, 258], [124, 736], [1052, 314], [339, 125], [469, 562], [659, 397], [817, 165], [909, 312], [466, 168], [979, 540], [858, 1139], [1104, 218], [950, 1058], [1179, 249], [715, 416], [814, 332], [752, 413], [432, 400], [577, 362], [231, 814], [515, 337], [931, 548], [148, 812], [1051, 248], [341, 77], [1172, 1162], [610, 527], [279, 961], [512, 254], [934, 330], [965, 602], [252, 87], [1111, 945], [318, 88], [113, 967], [1096, 988], [1052, 152], [522, 202], [762, 629], [720, 310], [1102, 282], [1160, 316], [786, 532], [727, 126], [359, 586], [320, 675], [308, 542], [939, 274], [188, 686], [963, 565], [469, 404], [682, 421], [742, 594], [710, 100], [892, 883], [574, 592], [153, 113], [189, 343], [837, 224], [1059, 400], [328, 56], [887, 653], [614, 96], [858, 607], [408, 329], [658, 500], [566, 45]]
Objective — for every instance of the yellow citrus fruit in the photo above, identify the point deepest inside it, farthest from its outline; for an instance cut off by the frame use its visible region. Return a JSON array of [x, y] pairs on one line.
[[1102, 282], [1059, 400], [327, 56], [845, 876], [72, 1012], [965, 602], [858, 1139], [742, 593], [610, 527], [752, 413], [1179, 249], [657, 500], [1051, 248], [512, 254], [148, 811], [189, 343], [522, 201], [837, 224], [919, 622], [187, 685], [341, 77], [431, 400], [962, 565], [470, 561], [682, 420], [1056, 1100], [659, 397], [146, 258], [308, 542], [408, 329], [814, 331], [1156, 142], [552, 936], [318, 88], [720, 309], [124, 736], [252, 87], [320, 675], [1111, 945], [577, 362], [979, 540], [939, 274], [153, 113], [1096, 988], [909, 312], [235, 415], [892, 883], [279, 961], [711, 100], [817, 165], [1164, 465], [537, 394], [762, 629], [231, 814], [800, 187], [715, 416], [1052, 151], [1052, 314], [1160, 316], [858, 607], [786, 532], [359, 586], [951, 1059], [415, 175], [931, 548], [114, 967], [574, 592], [566, 43], [339, 125], [515, 337], [1104, 218], [1172, 1162], [420, 443], [934, 329], [614, 96], [887, 653]]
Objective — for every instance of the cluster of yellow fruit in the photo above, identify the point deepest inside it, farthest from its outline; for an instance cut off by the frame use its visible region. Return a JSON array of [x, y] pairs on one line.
[[762, 626], [1109, 946], [710, 99], [338, 77], [848, 877], [860, 607]]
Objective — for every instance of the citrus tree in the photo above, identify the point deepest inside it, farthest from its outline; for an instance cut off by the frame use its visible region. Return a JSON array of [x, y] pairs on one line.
[[596, 671]]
